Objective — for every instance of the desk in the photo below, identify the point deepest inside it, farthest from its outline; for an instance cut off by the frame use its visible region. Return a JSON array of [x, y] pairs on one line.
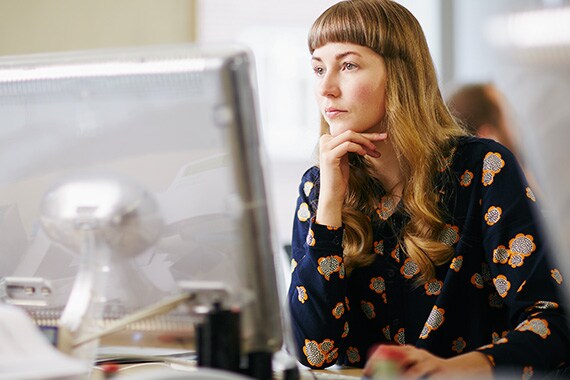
[[156, 345], [172, 371], [334, 373], [141, 371]]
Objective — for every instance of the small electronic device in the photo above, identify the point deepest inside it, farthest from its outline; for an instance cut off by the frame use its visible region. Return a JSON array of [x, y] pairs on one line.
[[25, 291]]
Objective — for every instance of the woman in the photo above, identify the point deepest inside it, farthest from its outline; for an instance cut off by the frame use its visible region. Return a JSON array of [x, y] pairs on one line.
[[409, 232]]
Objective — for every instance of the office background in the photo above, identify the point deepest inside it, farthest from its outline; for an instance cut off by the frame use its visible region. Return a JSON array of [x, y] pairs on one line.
[[276, 33]]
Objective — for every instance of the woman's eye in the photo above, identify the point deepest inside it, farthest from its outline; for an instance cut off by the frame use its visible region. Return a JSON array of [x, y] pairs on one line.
[[349, 66], [318, 70]]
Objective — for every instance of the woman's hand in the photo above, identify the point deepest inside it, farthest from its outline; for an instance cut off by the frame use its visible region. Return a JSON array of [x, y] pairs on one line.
[[334, 170], [415, 363]]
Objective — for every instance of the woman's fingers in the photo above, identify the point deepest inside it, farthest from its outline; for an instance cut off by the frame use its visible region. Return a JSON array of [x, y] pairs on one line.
[[335, 170], [348, 146], [421, 364], [375, 136], [349, 141], [411, 362], [365, 139], [422, 368], [386, 353]]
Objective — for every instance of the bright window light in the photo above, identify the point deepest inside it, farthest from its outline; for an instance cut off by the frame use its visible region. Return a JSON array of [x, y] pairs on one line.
[[535, 29]]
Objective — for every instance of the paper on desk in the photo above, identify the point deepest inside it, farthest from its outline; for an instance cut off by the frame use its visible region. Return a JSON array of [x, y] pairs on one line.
[[25, 353]]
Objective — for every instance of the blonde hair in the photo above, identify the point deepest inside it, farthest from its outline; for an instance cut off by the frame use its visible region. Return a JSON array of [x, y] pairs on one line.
[[417, 121]]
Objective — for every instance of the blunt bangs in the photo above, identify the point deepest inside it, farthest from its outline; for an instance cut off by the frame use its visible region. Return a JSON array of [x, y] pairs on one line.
[[347, 23]]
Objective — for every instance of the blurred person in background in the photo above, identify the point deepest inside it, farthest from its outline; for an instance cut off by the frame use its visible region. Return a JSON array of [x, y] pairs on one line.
[[482, 110]]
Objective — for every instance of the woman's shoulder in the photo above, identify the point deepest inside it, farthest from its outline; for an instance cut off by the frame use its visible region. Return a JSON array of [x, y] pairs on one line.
[[471, 149], [475, 144]]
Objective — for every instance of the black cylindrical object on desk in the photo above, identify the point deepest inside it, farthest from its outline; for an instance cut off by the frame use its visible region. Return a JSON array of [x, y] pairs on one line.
[[260, 365], [218, 340]]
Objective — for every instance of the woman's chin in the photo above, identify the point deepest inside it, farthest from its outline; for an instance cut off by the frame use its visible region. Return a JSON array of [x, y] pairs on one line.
[[336, 130]]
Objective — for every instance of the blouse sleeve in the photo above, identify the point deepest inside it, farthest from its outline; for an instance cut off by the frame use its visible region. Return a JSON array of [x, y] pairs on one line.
[[317, 294], [525, 278]]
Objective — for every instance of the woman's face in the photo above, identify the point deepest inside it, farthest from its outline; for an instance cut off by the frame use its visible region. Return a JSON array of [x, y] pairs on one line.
[[350, 87]]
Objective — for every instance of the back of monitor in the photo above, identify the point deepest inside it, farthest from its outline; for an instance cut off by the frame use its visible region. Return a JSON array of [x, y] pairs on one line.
[[179, 120]]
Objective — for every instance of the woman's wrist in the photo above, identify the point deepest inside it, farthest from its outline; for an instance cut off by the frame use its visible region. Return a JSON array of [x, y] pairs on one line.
[[329, 212], [329, 219]]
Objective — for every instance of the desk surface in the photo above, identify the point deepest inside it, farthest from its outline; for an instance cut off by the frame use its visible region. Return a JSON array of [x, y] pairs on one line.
[[171, 349], [152, 346], [165, 371], [335, 373]]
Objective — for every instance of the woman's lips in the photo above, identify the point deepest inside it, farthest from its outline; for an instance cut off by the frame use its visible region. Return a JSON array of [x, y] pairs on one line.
[[333, 112]]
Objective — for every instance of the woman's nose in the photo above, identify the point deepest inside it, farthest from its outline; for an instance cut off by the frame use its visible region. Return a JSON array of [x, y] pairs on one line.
[[328, 85]]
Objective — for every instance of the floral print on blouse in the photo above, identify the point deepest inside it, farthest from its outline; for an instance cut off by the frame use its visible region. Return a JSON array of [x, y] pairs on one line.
[[499, 293]]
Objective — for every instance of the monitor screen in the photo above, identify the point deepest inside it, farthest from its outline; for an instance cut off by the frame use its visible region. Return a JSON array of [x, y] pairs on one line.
[[181, 121]]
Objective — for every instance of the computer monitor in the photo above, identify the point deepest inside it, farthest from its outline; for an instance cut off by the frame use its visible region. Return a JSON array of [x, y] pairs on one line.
[[179, 120]]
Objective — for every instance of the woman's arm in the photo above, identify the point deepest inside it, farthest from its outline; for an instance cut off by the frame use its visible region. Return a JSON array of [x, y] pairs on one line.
[[415, 363], [317, 294], [525, 280], [333, 158], [522, 270]]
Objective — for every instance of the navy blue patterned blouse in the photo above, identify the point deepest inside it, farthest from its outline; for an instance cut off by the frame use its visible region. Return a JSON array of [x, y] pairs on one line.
[[499, 294]]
